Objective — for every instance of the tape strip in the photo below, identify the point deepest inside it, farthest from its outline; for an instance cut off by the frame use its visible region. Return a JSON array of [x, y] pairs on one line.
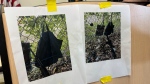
[[51, 5], [106, 79], [104, 4]]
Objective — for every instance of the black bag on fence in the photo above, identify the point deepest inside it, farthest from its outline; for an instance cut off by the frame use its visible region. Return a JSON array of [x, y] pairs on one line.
[[99, 30], [48, 49], [109, 29]]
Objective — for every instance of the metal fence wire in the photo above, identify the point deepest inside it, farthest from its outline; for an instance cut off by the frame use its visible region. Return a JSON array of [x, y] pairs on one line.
[[96, 41]]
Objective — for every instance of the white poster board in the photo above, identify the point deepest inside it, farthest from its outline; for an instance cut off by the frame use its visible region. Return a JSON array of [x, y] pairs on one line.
[[72, 24], [91, 16], [65, 18]]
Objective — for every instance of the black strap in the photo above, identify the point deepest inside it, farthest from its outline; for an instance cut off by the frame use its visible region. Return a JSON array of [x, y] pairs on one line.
[[111, 16], [43, 25], [43, 69], [103, 18]]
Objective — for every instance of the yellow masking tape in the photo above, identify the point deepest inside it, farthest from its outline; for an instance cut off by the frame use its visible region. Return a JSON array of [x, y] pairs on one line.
[[106, 79], [51, 5], [105, 4]]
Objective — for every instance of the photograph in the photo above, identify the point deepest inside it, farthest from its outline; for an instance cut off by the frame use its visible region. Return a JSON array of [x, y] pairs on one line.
[[102, 36], [45, 45]]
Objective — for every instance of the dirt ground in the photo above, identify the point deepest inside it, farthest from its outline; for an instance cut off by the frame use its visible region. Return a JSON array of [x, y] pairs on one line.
[[98, 50]]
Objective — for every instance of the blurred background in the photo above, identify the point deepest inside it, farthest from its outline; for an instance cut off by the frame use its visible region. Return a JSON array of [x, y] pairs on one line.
[[39, 2]]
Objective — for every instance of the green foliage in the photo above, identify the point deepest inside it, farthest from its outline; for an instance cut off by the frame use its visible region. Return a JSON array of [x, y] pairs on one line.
[[30, 27]]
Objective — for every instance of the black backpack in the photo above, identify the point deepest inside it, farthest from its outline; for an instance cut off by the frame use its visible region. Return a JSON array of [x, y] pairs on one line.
[[109, 29], [48, 49], [100, 29]]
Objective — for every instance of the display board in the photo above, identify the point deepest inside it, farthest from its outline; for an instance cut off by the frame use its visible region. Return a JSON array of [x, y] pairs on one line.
[[139, 52]]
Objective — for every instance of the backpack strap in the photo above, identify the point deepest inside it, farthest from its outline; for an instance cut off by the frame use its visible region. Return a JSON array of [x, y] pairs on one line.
[[44, 71], [43, 27], [47, 29]]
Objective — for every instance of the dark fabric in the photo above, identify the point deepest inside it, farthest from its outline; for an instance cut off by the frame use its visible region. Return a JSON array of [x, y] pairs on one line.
[[26, 54], [109, 42], [109, 29], [48, 50], [99, 30], [91, 24]]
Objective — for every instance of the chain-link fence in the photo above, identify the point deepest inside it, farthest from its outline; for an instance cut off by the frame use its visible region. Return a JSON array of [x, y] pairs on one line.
[[102, 35], [30, 28]]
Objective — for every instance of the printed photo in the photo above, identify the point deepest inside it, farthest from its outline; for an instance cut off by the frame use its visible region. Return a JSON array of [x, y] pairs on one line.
[[102, 36], [45, 45]]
